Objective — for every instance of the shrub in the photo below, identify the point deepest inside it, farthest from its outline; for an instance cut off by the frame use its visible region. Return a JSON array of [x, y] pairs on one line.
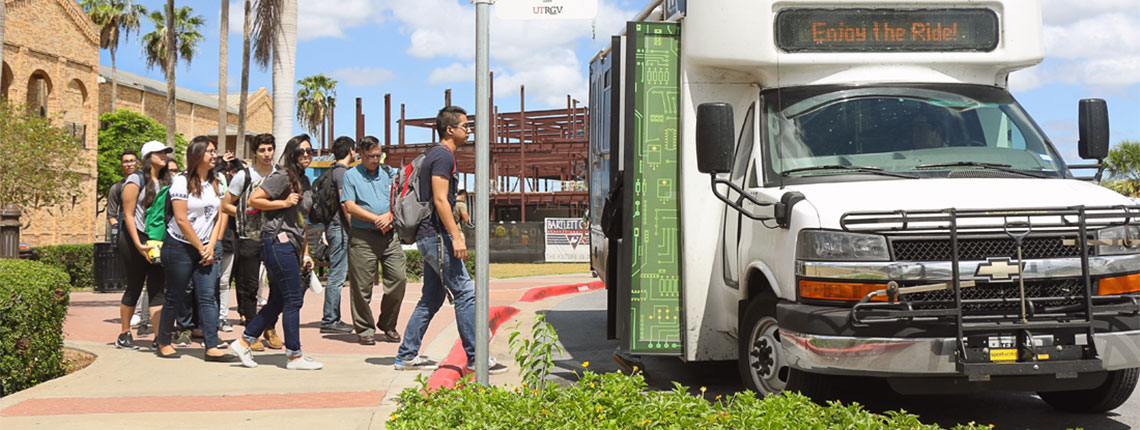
[[33, 303], [77, 261]]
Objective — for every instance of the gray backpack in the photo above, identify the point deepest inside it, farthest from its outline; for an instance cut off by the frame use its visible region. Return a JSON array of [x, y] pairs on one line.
[[407, 209], [249, 220]]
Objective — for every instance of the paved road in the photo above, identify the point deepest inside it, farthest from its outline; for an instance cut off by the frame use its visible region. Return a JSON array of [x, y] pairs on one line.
[[581, 324]]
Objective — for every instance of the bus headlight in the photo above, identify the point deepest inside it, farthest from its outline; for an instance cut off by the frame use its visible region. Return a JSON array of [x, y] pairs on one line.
[[1130, 234], [826, 245]]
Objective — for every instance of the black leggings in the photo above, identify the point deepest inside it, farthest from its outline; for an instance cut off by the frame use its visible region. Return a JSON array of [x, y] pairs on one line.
[[140, 272]]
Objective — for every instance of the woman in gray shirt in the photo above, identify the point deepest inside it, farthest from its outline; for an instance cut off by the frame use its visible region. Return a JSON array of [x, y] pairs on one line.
[[284, 199]]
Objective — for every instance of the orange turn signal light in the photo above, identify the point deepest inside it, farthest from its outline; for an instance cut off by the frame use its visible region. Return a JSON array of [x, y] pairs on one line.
[[844, 291], [1118, 285]]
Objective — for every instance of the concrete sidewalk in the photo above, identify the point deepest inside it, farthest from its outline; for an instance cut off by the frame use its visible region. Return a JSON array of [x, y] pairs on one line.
[[356, 389]]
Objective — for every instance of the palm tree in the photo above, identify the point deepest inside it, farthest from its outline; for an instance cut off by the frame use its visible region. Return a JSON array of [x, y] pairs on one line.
[[114, 18], [3, 11], [1123, 165], [184, 39], [244, 80], [275, 38], [315, 99], [223, 77]]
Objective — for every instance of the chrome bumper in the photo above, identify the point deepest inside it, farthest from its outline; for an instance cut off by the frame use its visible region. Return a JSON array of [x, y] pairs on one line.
[[917, 356]]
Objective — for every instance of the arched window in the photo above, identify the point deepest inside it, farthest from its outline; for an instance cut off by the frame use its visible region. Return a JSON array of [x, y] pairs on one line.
[[39, 91], [75, 107], [5, 81]]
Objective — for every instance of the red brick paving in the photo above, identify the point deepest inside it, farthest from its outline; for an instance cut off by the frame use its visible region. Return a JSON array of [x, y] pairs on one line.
[[248, 402]]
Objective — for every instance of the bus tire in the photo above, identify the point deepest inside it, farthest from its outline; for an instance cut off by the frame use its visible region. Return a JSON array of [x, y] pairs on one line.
[[1115, 390], [763, 366]]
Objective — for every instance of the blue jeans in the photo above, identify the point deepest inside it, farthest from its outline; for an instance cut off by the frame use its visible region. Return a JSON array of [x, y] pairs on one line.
[[462, 288], [338, 272], [285, 275], [184, 274]]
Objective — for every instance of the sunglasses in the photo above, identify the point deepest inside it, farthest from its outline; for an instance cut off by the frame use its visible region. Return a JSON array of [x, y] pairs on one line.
[[310, 152]]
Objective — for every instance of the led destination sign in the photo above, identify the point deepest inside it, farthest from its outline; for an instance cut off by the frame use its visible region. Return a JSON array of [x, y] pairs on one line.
[[886, 30]]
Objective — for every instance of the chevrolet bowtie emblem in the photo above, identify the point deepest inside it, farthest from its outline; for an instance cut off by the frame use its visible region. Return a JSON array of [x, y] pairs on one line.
[[998, 269]]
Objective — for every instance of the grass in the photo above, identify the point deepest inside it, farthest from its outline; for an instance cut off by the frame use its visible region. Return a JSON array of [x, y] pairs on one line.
[[517, 270]]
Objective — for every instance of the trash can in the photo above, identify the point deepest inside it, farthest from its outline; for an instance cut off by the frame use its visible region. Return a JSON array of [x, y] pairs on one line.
[[110, 274], [10, 231]]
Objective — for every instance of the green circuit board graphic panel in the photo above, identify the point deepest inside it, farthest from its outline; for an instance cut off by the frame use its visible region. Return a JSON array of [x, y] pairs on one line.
[[655, 287]]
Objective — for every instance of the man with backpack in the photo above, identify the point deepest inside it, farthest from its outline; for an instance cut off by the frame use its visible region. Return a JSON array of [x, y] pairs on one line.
[[247, 255], [365, 196], [442, 247], [328, 210]]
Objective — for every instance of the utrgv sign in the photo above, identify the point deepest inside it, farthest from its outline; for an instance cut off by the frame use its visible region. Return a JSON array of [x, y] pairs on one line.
[[546, 9]]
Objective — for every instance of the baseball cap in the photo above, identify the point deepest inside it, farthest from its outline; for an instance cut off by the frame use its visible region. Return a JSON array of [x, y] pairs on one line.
[[155, 146]]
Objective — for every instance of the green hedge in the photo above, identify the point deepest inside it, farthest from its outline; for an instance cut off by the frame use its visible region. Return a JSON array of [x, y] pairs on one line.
[[33, 303], [415, 264], [78, 261], [617, 401]]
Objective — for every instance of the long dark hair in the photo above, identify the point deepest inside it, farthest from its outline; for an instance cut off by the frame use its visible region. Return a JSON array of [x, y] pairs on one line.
[[194, 153], [163, 179], [290, 164]]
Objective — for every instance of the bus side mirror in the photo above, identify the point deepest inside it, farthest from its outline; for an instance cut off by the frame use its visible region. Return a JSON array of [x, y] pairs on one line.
[[1093, 120], [715, 138]]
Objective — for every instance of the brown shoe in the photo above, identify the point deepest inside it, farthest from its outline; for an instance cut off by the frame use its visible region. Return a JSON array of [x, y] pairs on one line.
[[257, 346], [272, 341], [367, 340], [392, 336]]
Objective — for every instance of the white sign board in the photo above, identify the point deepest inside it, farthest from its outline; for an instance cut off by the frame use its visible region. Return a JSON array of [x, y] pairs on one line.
[[546, 9], [567, 240]]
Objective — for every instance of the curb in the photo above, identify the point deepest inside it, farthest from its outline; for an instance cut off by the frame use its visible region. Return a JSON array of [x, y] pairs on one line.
[[539, 293], [452, 368]]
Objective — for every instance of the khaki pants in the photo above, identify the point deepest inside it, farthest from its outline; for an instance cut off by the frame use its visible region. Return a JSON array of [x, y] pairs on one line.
[[366, 250]]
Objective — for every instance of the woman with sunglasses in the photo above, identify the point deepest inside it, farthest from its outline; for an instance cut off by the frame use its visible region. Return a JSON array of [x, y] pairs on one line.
[[284, 199]]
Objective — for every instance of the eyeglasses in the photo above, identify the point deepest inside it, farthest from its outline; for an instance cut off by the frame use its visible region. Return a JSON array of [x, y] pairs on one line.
[[462, 126]]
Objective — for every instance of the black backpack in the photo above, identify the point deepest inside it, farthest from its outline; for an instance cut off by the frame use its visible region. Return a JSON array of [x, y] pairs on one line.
[[326, 199]]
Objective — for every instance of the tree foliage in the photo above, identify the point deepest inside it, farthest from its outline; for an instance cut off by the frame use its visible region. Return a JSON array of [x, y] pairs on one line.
[[1123, 167], [122, 130], [315, 100], [41, 164], [186, 35]]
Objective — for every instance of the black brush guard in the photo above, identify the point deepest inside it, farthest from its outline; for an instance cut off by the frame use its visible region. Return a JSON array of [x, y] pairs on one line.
[[1077, 319]]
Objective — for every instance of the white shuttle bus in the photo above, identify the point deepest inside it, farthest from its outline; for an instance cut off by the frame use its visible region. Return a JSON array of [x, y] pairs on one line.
[[820, 188]]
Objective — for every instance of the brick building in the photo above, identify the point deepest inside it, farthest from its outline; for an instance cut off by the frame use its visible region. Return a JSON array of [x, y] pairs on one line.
[[197, 112], [51, 63]]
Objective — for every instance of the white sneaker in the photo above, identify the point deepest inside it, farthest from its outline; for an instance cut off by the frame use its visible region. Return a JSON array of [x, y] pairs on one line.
[[494, 367], [135, 319], [419, 363], [304, 363], [243, 353]]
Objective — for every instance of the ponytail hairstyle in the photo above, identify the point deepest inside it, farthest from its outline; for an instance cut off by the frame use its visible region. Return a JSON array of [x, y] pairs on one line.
[[194, 153], [290, 164], [163, 179]]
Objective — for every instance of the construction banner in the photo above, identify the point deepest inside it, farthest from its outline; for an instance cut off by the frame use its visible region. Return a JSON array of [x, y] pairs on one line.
[[567, 240]]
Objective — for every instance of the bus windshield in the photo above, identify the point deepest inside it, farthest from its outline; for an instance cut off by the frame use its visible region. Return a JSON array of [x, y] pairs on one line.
[[913, 131]]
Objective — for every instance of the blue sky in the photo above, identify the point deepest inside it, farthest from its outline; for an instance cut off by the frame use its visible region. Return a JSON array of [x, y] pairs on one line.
[[415, 49]]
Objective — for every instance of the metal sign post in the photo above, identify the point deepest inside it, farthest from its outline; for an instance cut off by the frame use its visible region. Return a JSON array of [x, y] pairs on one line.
[[482, 188]]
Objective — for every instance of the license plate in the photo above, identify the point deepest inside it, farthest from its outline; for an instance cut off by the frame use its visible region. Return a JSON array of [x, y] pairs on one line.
[[1003, 355]]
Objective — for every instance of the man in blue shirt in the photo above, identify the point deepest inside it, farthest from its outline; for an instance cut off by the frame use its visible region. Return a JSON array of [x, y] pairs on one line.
[[365, 196]]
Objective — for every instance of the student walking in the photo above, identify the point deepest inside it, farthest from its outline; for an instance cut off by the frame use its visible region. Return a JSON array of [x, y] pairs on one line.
[[365, 196], [139, 191], [285, 199], [192, 248], [443, 249], [337, 235], [247, 253]]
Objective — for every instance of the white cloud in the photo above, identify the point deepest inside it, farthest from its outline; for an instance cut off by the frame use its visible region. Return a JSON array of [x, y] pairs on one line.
[[362, 76], [1087, 42], [456, 72], [539, 54], [320, 18]]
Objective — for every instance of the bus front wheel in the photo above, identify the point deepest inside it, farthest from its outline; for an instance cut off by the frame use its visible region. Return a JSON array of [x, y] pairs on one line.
[[762, 363]]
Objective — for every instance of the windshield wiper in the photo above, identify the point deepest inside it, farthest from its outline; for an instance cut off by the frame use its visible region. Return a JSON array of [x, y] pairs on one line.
[[858, 169], [994, 166]]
